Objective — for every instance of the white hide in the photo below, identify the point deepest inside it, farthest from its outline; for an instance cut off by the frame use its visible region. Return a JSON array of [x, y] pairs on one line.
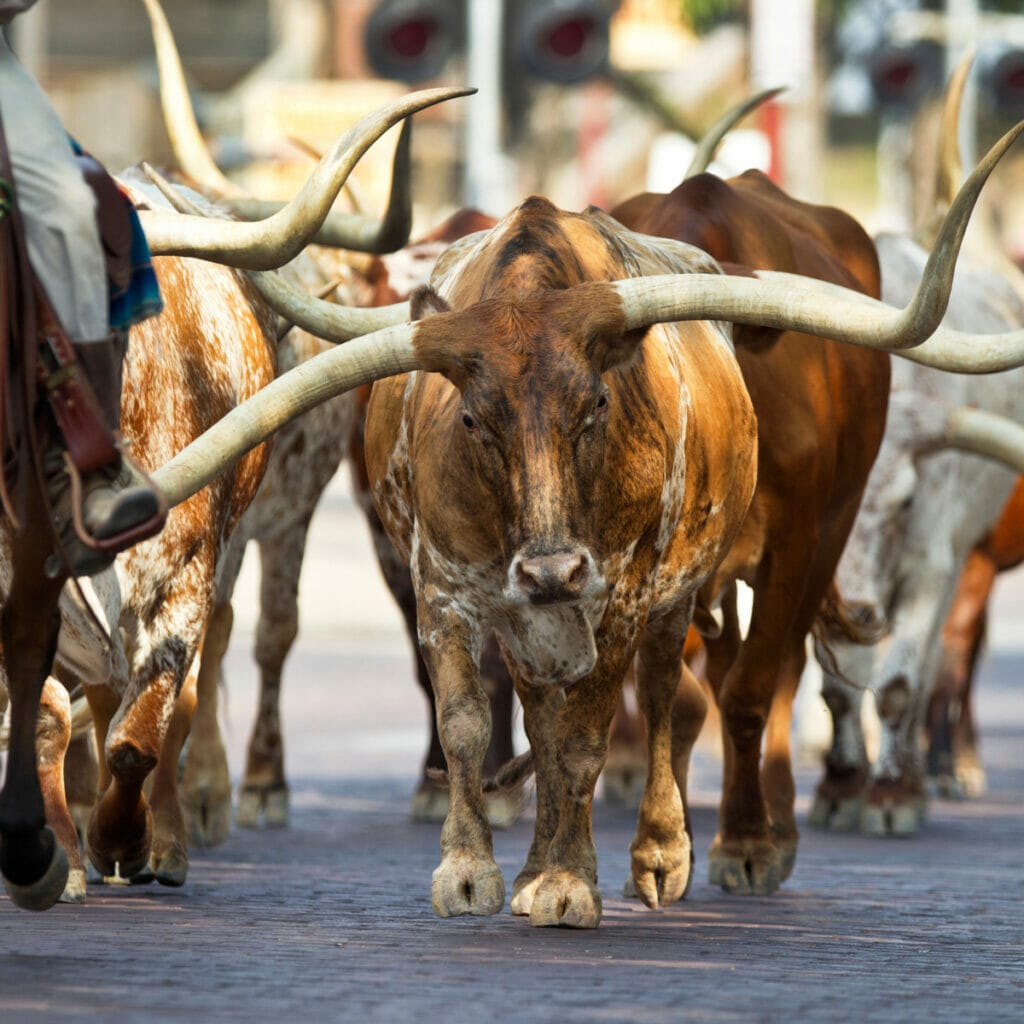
[[923, 510]]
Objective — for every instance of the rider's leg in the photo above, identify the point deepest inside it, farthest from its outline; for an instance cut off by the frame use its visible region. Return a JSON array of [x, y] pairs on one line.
[[58, 210]]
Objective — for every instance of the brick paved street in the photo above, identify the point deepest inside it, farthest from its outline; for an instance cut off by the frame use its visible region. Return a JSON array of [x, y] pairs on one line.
[[331, 918]]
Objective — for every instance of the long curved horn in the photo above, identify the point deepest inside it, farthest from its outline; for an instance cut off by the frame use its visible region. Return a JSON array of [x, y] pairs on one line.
[[828, 312], [326, 320], [986, 433], [297, 308], [278, 239], [341, 230], [950, 173], [712, 138], [325, 375], [946, 348], [179, 115], [355, 231]]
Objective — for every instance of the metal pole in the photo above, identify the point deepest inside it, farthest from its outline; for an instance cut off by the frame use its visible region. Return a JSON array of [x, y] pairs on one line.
[[486, 182], [782, 51]]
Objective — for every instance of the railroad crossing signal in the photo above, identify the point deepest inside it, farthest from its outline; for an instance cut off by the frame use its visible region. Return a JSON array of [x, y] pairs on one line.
[[563, 41]]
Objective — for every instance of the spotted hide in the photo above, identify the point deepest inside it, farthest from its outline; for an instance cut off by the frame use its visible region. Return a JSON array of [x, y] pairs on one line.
[[923, 511]]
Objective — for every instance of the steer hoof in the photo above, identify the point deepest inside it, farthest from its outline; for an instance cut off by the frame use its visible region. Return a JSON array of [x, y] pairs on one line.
[[167, 864], [837, 815], [429, 804], [661, 874], [262, 805], [464, 885], [892, 809], [524, 888], [624, 779], [125, 852], [209, 816], [901, 821], [567, 901], [44, 893], [748, 867], [74, 890]]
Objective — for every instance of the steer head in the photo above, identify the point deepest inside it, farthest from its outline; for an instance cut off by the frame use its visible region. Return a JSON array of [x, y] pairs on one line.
[[882, 542], [528, 431]]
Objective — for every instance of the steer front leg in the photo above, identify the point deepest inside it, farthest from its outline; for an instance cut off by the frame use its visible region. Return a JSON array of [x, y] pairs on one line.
[[468, 880], [567, 894]]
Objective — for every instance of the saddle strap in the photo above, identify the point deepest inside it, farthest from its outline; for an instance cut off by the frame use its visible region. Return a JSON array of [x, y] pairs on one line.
[[72, 400]]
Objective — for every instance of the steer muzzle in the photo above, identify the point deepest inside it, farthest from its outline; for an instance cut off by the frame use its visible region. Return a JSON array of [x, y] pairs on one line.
[[556, 578]]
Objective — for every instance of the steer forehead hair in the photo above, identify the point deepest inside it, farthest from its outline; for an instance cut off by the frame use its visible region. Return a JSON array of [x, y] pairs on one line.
[[539, 247]]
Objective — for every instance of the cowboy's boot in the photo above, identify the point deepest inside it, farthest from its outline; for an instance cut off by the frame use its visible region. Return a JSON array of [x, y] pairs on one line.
[[116, 498]]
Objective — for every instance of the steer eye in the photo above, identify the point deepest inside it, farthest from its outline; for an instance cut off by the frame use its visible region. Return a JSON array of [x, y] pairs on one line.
[[468, 422], [602, 404]]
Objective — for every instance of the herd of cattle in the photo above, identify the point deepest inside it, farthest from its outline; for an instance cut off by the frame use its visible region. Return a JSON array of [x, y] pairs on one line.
[[584, 431]]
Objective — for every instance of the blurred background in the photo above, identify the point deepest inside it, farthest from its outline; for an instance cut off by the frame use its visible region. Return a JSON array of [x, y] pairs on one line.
[[585, 101]]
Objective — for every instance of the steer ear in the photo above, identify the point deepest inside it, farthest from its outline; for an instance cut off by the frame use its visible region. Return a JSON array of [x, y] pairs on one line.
[[607, 350], [594, 312], [445, 341], [424, 302]]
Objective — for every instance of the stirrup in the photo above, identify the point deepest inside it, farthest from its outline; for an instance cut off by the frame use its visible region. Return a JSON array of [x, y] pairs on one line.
[[98, 552]]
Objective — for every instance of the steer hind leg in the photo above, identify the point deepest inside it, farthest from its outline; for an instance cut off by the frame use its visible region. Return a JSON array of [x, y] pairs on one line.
[[53, 736], [662, 850], [540, 710], [839, 795], [168, 857], [744, 857], [264, 792], [206, 783]]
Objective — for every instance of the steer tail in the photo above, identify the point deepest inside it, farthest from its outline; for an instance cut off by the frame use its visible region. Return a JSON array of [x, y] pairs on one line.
[[509, 778], [837, 621]]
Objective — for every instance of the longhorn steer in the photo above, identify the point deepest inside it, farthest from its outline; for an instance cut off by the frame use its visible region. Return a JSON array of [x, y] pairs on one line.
[[923, 511], [820, 409], [305, 458], [570, 475], [571, 485]]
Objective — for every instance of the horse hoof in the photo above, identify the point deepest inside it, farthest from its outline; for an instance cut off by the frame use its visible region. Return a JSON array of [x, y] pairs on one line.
[[43, 894]]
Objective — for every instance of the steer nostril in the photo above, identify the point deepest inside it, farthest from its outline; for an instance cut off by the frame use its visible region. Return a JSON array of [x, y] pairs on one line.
[[553, 578], [579, 576], [524, 577]]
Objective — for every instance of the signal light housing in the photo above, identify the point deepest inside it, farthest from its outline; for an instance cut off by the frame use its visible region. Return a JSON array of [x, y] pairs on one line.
[[563, 41], [904, 74], [412, 40]]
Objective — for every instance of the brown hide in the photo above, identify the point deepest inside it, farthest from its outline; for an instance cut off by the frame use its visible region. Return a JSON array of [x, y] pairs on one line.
[[820, 409], [571, 486]]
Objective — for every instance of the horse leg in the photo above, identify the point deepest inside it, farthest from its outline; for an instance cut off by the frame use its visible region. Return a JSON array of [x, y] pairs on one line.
[[34, 865]]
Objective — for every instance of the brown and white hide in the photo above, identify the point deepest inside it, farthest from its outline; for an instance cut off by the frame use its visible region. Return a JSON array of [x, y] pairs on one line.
[[569, 485]]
